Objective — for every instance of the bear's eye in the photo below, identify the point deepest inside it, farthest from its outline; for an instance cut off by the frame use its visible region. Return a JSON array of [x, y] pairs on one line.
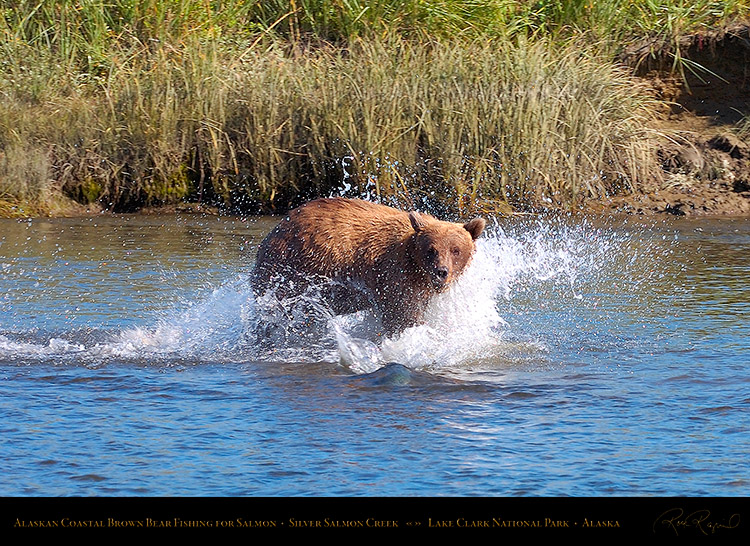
[[455, 251]]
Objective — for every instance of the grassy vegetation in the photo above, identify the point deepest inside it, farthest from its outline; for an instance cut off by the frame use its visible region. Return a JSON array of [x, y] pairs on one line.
[[261, 105]]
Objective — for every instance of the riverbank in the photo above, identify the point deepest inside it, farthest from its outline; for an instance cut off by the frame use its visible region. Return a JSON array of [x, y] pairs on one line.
[[124, 108], [705, 155]]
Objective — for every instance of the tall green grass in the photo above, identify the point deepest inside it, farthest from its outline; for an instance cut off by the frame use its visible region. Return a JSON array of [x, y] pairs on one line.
[[528, 123], [525, 123], [260, 105], [87, 28]]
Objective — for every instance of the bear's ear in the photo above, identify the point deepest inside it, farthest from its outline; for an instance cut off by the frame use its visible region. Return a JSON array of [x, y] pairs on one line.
[[417, 221], [475, 227]]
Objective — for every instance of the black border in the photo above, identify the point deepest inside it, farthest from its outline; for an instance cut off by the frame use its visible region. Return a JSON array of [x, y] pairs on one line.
[[672, 517]]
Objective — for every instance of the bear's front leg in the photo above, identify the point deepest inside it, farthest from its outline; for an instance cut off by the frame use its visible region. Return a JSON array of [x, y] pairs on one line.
[[397, 317]]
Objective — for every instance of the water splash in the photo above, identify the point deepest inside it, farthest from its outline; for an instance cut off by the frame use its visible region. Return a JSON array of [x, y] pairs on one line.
[[54, 347], [465, 327], [519, 266], [208, 330]]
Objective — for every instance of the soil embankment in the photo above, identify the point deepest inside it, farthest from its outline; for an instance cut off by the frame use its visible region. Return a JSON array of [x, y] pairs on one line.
[[705, 123]]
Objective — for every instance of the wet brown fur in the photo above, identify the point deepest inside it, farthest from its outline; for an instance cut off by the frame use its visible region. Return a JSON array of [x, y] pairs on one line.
[[376, 256]]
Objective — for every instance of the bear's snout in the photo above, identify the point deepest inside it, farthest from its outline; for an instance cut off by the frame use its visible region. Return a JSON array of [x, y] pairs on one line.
[[440, 277]]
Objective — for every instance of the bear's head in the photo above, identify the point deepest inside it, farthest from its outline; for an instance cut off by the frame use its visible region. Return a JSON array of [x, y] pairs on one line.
[[443, 249]]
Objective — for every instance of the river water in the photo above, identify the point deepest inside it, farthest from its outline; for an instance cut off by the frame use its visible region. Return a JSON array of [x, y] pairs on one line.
[[576, 357]]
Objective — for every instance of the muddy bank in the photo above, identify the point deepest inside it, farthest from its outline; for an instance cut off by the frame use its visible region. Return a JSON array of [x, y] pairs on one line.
[[704, 125]]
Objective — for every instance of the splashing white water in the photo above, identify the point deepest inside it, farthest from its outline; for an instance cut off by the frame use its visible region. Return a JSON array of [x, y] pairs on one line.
[[209, 329], [465, 325], [462, 326], [206, 330], [459, 324], [54, 347]]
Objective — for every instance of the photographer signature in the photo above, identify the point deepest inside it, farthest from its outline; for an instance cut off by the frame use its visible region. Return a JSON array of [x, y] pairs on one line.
[[677, 520]]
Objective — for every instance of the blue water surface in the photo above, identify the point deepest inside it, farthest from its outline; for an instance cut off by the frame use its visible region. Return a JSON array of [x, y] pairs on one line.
[[621, 367]]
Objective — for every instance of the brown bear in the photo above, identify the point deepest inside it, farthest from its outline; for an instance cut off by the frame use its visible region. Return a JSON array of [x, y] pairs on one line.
[[369, 256]]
